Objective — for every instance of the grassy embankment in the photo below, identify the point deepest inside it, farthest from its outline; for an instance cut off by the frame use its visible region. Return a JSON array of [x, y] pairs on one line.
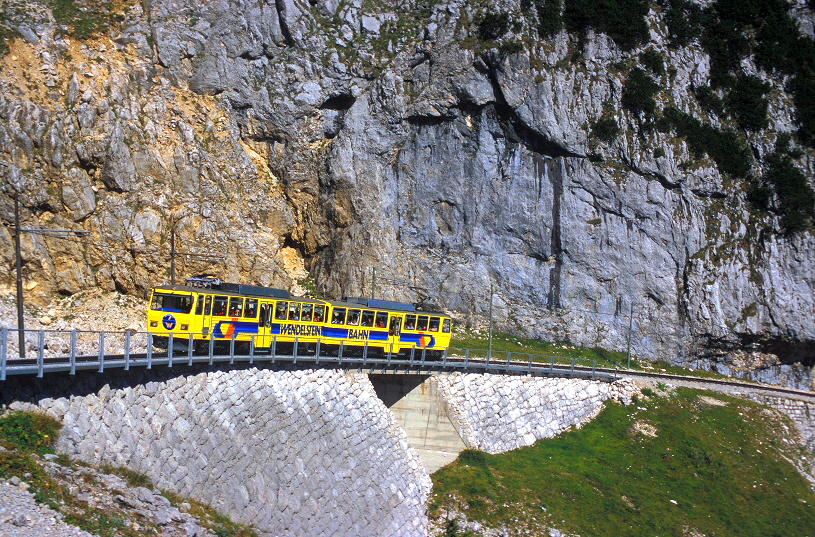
[[26, 436], [684, 463], [543, 351]]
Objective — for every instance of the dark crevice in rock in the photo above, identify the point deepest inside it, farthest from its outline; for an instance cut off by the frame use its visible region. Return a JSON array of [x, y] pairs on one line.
[[280, 6], [425, 121], [557, 246], [708, 194], [666, 183], [343, 101], [516, 130]]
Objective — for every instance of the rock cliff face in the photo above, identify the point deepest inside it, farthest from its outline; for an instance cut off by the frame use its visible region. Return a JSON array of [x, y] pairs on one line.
[[410, 137]]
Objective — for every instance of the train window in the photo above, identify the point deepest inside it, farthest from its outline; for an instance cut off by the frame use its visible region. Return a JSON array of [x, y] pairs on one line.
[[319, 313], [235, 306], [172, 303], [445, 326], [219, 306], [421, 322], [264, 314], [381, 319], [199, 306], [306, 312], [410, 322], [339, 316], [434, 324], [294, 311], [367, 318], [251, 308], [208, 305], [280, 311], [353, 318]]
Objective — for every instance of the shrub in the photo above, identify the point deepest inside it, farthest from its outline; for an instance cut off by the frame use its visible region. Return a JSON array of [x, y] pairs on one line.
[[473, 457], [606, 129], [747, 104], [684, 21], [726, 148], [512, 47], [493, 26], [638, 93], [622, 20], [29, 431], [795, 198], [709, 100], [652, 60], [803, 89], [550, 20]]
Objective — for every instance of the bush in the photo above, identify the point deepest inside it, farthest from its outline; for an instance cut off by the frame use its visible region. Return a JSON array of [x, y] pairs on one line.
[[473, 457], [622, 20], [493, 26], [709, 100], [606, 129], [684, 21], [512, 47], [795, 198], [747, 104], [638, 93], [652, 60], [550, 20], [33, 432], [726, 148]]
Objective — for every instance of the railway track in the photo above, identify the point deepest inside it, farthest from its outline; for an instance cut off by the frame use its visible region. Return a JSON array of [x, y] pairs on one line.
[[419, 363]]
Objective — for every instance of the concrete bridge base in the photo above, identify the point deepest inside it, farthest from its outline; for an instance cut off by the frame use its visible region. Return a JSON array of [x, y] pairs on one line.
[[423, 414]]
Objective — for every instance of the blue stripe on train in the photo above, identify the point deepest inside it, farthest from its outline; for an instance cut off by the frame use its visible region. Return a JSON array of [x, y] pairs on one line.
[[227, 328], [416, 339]]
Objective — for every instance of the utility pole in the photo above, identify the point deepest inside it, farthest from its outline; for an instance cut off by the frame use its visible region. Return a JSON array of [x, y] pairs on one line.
[[489, 352], [172, 256], [18, 255], [630, 328], [61, 233]]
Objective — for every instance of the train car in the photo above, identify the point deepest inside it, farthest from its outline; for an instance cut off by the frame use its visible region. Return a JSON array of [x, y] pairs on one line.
[[217, 314]]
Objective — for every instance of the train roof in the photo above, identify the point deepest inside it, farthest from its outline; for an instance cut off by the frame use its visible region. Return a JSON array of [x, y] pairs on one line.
[[354, 302], [240, 290]]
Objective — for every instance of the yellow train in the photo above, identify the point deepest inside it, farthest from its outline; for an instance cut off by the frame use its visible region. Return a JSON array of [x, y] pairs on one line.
[[216, 313]]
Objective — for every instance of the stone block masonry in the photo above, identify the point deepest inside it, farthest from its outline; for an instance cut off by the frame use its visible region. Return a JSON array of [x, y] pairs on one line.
[[292, 452], [499, 413]]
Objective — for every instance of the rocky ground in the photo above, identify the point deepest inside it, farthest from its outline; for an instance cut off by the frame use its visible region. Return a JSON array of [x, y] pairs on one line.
[[103, 499]]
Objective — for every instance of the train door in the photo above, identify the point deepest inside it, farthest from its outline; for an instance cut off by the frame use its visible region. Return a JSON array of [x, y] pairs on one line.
[[395, 332], [206, 321], [264, 339]]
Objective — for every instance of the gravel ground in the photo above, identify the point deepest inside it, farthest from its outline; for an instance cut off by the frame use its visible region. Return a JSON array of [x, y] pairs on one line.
[[21, 516]]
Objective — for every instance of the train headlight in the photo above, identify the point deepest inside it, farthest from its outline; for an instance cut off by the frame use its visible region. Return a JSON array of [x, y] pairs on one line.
[[153, 324], [185, 327]]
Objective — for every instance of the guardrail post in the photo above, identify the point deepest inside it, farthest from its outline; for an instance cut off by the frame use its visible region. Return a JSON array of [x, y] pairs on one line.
[[211, 347], [551, 364], [444, 358], [339, 352], [251, 349], [317, 352], [274, 348], [101, 352], [170, 351], [72, 357], [466, 358], [412, 354], [3, 353], [295, 350], [40, 353], [189, 349], [149, 350], [529, 367], [424, 355], [127, 350], [593, 366], [572, 371], [232, 348], [390, 353], [365, 353], [508, 355]]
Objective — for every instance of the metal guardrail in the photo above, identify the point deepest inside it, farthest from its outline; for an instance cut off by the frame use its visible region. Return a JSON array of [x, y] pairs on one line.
[[76, 350]]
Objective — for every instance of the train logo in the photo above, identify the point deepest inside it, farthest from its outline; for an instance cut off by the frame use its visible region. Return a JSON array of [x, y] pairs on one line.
[[168, 321]]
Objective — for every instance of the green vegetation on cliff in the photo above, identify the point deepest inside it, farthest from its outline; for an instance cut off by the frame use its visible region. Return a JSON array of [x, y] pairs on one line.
[[672, 464]]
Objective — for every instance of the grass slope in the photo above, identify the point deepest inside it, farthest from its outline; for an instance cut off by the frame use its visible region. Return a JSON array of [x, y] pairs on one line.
[[688, 463]]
